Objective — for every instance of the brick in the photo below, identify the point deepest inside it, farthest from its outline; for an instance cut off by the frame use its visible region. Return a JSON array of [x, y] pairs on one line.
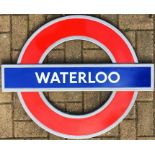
[[45, 61], [19, 31], [106, 138], [103, 138], [5, 97], [19, 112], [6, 121], [91, 101], [4, 23], [113, 19], [131, 36], [59, 47], [128, 130], [46, 94], [4, 48], [112, 133], [71, 102], [132, 113], [145, 46], [35, 21], [74, 108], [95, 15], [28, 129], [73, 51], [65, 96], [53, 137], [104, 96], [95, 56], [60, 106], [54, 16], [145, 118], [56, 56], [135, 22], [14, 56], [145, 96], [95, 138], [146, 138], [90, 45]]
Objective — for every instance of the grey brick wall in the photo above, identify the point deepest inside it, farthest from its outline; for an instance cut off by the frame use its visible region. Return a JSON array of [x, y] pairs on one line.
[[15, 30]]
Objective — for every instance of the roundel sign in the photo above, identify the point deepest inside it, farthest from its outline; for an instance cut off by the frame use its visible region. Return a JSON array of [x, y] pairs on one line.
[[29, 78]]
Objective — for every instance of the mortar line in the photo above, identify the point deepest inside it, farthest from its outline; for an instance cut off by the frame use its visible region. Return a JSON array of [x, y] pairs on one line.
[[6, 32], [66, 101], [25, 138], [107, 137], [130, 119], [117, 20], [149, 101], [28, 120], [58, 49], [145, 136], [7, 103], [28, 26], [138, 30], [46, 18], [97, 49]]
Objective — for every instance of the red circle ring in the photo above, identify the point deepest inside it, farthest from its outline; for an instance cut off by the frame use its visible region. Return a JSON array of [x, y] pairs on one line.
[[69, 28]]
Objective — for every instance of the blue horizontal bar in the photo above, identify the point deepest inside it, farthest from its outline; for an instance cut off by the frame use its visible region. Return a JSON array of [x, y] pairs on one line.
[[76, 77]]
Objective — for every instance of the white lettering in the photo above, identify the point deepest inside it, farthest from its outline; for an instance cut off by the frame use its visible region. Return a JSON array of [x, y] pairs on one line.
[[55, 78], [117, 77], [64, 76], [72, 76], [77, 77], [104, 77], [82, 77], [42, 77], [90, 78]]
